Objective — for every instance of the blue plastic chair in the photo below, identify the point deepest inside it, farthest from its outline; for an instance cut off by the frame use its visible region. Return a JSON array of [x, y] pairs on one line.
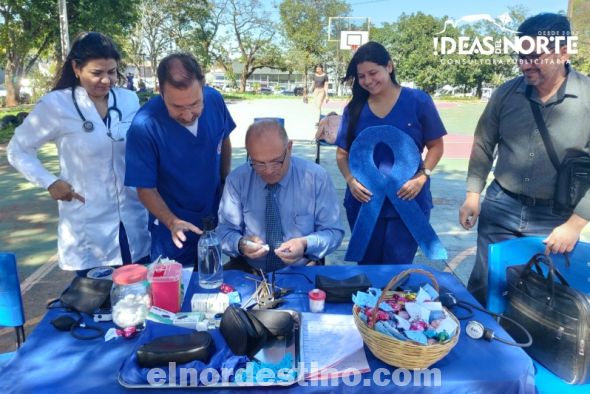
[[281, 121], [319, 144], [519, 251], [11, 303]]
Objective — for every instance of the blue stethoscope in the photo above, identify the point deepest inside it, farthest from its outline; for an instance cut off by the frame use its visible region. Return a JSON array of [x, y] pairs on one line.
[[87, 125]]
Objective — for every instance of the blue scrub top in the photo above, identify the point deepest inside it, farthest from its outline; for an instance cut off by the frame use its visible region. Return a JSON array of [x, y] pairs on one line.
[[414, 113], [185, 169]]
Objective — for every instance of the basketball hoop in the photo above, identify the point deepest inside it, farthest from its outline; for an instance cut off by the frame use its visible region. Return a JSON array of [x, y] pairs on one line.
[[353, 48]]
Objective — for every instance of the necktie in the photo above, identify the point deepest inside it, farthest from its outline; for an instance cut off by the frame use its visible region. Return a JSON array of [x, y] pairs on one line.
[[274, 232]]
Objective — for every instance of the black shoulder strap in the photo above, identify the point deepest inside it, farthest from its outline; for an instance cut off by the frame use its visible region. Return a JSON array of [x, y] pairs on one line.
[[542, 129]]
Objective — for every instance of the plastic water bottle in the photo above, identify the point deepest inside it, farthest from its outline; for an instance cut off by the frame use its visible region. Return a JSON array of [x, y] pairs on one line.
[[210, 267]]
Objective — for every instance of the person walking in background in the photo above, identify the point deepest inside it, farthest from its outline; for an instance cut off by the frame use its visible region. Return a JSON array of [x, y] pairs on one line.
[[101, 222], [519, 201], [377, 99], [320, 89], [178, 156], [130, 84]]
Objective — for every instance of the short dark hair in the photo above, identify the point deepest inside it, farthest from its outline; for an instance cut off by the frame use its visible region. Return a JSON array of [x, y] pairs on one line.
[[545, 24], [87, 46], [190, 70]]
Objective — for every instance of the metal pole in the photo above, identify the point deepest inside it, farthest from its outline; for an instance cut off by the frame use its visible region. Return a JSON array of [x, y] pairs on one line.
[[63, 29]]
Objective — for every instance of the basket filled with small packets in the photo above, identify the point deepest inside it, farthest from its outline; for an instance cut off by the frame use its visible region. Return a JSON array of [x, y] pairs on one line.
[[406, 329]]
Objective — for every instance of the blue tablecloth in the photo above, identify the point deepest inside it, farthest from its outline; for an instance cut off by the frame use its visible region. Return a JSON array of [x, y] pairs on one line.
[[53, 361]]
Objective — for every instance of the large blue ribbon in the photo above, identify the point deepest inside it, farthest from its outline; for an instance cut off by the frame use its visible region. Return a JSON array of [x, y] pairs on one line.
[[363, 168]]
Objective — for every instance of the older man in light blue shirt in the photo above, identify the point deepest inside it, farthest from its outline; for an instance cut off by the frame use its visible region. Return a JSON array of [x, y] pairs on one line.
[[307, 208]]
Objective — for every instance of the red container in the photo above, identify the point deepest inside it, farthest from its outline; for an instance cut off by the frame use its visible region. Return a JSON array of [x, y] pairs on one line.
[[165, 280]]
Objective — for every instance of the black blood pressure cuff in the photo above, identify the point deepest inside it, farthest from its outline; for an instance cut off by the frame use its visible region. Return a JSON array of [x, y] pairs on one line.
[[84, 295], [341, 290]]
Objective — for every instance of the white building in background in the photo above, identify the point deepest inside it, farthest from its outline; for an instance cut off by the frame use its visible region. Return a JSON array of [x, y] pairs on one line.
[[263, 77], [271, 80]]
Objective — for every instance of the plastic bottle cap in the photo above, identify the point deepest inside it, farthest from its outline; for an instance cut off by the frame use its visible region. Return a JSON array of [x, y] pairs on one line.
[[317, 295], [209, 223], [128, 274], [101, 273]]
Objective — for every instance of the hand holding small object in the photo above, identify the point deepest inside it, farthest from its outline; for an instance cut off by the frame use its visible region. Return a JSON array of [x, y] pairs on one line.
[[256, 246], [252, 247], [292, 250]]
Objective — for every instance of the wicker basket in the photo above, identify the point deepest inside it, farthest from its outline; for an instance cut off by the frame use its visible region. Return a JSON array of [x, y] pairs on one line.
[[403, 354]]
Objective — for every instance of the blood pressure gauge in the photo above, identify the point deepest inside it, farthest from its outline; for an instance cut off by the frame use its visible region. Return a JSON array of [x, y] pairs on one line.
[[474, 329]]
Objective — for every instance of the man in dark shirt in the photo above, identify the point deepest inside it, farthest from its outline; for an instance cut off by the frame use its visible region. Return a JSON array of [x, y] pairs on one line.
[[519, 200]]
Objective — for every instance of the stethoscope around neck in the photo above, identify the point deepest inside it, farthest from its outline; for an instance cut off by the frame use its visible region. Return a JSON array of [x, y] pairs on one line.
[[87, 125]]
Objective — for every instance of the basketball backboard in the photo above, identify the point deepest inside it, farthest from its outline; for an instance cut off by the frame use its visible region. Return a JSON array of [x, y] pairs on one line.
[[339, 24], [352, 39]]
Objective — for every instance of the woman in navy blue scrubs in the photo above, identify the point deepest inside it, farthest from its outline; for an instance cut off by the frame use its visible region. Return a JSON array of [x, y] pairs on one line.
[[377, 99]]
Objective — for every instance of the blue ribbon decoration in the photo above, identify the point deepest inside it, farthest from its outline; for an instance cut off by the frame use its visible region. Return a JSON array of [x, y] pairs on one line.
[[363, 168]]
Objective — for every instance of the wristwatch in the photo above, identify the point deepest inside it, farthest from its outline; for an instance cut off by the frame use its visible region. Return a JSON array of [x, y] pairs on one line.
[[426, 171]]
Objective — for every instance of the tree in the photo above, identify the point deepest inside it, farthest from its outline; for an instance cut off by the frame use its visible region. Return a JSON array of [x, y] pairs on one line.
[[133, 48], [337, 61], [220, 52], [196, 27], [27, 30], [114, 18], [579, 12], [485, 69], [254, 32], [30, 30], [165, 26], [410, 43], [155, 37], [305, 25]]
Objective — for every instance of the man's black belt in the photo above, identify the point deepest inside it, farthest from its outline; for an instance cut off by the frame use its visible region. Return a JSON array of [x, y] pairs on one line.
[[527, 200]]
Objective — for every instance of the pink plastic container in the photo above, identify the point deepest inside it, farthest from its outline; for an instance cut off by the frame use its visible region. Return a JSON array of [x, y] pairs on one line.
[[165, 280]]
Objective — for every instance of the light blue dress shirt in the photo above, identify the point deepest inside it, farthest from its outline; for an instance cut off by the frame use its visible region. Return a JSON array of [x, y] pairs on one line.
[[307, 201]]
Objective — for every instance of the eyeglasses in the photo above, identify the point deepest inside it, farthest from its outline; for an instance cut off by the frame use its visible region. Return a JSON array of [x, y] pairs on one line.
[[271, 165], [191, 107], [532, 58]]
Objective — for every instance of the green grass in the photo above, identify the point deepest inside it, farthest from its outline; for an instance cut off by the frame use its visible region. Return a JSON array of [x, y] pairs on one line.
[[15, 110], [6, 133], [466, 99], [253, 96], [461, 117]]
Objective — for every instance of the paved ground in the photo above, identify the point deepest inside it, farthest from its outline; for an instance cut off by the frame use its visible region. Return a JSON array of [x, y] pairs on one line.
[[28, 216]]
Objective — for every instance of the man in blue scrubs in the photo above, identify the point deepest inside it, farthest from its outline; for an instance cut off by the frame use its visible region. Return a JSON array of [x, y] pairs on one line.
[[307, 216], [178, 155]]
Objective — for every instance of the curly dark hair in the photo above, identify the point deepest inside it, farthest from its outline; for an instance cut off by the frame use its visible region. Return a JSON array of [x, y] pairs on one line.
[[87, 46]]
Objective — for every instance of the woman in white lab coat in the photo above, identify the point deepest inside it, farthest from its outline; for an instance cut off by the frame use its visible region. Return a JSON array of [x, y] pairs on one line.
[[101, 221]]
